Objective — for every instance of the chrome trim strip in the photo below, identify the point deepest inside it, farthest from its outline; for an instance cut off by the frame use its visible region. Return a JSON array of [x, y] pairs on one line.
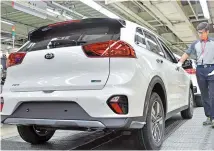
[[53, 122]]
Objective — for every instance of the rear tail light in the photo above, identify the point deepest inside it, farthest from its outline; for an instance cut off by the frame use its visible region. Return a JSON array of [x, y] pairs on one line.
[[15, 58], [190, 71], [118, 104], [2, 104], [109, 49]]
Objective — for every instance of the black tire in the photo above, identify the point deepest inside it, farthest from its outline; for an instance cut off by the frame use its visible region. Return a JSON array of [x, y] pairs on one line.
[[144, 138], [188, 113], [198, 101], [30, 135]]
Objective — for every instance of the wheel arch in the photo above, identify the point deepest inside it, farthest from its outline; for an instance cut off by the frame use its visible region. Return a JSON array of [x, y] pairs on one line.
[[191, 85], [192, 89], [155, 85]]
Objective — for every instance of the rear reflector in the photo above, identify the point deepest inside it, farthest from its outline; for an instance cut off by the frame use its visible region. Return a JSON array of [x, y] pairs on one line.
[[15, 58], [190, 71], [109, 49], [118, 104], [1, 104]]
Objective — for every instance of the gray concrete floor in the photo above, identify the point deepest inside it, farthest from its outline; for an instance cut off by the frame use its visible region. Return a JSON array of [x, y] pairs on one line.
[[192, 135]]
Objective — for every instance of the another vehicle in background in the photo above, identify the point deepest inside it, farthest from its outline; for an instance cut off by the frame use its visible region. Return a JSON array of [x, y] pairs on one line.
[[190, 67]]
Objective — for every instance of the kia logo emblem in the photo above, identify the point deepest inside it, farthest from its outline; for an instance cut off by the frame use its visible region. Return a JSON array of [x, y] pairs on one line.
[[49, 56]]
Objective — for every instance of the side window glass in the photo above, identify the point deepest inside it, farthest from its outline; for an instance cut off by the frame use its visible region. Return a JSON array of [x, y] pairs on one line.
[[174, 58], [169, 54], [140, 38], [152, 44], [168, 57]]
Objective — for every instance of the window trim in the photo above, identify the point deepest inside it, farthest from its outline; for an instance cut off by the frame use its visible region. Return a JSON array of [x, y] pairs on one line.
[[173, 58], [157, 43], [145, 46]]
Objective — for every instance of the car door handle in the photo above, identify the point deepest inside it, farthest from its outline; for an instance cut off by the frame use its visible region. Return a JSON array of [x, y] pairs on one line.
[[159, 61]]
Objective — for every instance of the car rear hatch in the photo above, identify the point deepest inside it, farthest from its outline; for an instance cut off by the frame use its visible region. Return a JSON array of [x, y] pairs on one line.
[[54, 59]]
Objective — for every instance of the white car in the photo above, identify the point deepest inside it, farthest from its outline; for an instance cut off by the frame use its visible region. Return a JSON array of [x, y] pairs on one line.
[[191, 70], [94, 74]]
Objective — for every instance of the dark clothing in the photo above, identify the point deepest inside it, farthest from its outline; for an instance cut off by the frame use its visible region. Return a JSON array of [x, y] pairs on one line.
[[206, 85]]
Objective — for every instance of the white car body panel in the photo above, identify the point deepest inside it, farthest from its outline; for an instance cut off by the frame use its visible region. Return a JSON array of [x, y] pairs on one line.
[[194, 79], [68, 71], [193, 76]]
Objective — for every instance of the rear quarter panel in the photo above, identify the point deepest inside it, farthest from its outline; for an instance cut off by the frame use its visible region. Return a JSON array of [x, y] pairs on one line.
[[144, 66]]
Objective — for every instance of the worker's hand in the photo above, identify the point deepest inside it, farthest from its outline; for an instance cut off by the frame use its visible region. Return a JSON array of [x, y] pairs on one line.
[[211, 73]]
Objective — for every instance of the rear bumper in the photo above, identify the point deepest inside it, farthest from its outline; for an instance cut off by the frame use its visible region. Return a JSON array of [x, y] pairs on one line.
[[118, 123], [65, 114], [93, 102]]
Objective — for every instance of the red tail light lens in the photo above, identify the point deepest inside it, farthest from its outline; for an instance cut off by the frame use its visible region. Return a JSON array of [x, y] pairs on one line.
[[2, 104], [109, 49], [190, 71], [15, 58]]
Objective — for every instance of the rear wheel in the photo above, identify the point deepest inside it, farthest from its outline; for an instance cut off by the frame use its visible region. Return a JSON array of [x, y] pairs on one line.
[[150, 137], [188, 113], [34, 135]]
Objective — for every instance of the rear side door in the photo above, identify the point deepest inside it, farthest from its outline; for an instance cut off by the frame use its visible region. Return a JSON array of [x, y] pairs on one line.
[[178, 77], [167, 70], [152, 58]]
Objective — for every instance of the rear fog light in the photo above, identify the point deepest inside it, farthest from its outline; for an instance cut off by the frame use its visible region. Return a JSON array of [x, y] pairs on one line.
[[2, 104], [118, 104]]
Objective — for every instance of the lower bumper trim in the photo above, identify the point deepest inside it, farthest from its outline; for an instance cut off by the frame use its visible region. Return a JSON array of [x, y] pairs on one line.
[[97, 123], [51, 122]]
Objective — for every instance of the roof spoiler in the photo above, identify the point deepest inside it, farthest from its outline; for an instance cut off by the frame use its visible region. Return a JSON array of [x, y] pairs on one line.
[[109, 21]]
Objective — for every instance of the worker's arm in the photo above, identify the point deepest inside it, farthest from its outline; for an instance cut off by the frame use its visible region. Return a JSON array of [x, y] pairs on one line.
[[184, 58], [186, 55]]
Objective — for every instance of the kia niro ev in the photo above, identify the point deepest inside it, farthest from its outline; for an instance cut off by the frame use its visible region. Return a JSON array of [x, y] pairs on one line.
[[96, 73]]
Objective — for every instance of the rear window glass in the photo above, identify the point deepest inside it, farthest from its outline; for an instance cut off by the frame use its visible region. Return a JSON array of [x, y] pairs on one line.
[[70, 35]]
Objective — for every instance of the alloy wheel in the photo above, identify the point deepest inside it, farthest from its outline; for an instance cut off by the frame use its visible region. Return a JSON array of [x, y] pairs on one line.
[[157, 121], [191, 102]]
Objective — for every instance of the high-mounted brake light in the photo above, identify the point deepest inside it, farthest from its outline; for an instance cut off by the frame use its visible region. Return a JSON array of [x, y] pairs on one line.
[[109, 49], [63, 23], [190, 71], [15, 58]]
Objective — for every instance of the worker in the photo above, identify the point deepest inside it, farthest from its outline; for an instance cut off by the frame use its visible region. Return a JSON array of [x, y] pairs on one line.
[[203, 50]]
